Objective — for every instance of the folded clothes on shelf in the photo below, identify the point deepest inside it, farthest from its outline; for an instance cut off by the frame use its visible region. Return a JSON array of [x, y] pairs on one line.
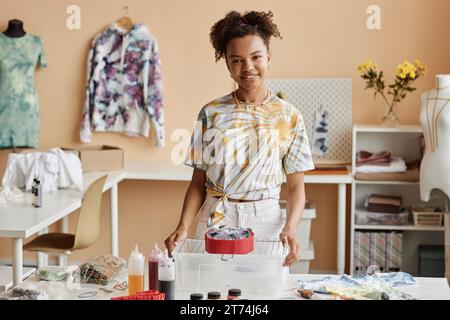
[[396, 165], [410, 175], [384, 203], [382, 158]]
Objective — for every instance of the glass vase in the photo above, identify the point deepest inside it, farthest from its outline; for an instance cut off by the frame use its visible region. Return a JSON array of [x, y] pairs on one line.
[[390, 119]]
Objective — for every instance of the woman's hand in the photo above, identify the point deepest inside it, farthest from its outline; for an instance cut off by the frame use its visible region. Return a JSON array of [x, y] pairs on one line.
[[176, 237], [287, 237]]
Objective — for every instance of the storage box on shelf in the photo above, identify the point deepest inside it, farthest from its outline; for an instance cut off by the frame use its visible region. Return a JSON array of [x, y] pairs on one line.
[[378, 218], [404, 142], [304, 225], [306, 256], [431, 261], [99, 158]]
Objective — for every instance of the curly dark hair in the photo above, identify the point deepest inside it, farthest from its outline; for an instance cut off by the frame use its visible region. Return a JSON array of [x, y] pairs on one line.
[[236, 25]]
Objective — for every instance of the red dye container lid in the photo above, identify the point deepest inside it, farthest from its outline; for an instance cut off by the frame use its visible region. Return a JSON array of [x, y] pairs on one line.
[[144, 295], [238, 246]]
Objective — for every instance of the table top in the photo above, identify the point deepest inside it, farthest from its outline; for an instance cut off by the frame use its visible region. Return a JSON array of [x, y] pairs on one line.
[[21, 220], [425, 289]]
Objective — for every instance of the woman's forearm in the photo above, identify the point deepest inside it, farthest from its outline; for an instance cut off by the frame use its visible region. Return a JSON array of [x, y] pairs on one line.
[[295, 200]]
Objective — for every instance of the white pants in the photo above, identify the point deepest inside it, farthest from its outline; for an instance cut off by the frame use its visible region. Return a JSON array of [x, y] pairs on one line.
[[264, 217]]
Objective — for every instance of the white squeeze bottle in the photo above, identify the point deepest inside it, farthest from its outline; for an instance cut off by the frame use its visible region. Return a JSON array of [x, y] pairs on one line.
[[166, 276], [136, 263]]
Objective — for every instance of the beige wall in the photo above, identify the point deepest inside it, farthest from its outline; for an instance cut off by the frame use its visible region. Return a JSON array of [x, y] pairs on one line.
[[322, 38]]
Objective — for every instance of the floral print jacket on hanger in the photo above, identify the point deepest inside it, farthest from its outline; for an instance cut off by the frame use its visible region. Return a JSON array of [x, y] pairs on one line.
[[124, 89]]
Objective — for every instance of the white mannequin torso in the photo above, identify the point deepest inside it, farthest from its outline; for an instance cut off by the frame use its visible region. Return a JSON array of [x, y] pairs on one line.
[[435, 123]]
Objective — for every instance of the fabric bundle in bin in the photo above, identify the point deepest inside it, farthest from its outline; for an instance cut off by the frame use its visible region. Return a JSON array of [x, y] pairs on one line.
[[385, 204], [227, 240]]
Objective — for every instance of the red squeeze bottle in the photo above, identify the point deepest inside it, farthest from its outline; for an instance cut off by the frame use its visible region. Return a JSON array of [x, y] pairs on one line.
[[153, 261]]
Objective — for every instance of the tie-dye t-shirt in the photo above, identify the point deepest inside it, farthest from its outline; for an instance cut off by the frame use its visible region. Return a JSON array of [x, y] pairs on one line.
[[245, 150], [19, 105]]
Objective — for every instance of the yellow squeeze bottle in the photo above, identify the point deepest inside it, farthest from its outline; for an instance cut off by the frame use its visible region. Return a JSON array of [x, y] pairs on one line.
[[136, 263]]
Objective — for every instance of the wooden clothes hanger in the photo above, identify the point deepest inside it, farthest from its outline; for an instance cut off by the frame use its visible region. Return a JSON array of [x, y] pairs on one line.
[[125, 22]]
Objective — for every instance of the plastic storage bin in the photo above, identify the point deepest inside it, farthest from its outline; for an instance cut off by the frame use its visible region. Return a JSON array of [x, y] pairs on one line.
[[306, 256], [364, 217], [304, 225], [259, 273], [431, 261]]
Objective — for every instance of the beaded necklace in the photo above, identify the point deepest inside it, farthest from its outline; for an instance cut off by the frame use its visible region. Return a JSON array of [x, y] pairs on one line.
[[240, 103]]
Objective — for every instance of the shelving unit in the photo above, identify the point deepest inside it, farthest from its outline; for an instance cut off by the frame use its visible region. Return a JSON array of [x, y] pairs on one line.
[[402, 141]]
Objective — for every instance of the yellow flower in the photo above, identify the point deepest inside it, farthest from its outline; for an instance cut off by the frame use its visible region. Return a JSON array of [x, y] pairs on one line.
[[401, 71], [406, 69], [367, 66], [420, 66]]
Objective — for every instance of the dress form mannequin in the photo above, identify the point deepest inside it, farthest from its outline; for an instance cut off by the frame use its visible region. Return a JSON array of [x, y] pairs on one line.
[[435, 166], [15, 29]]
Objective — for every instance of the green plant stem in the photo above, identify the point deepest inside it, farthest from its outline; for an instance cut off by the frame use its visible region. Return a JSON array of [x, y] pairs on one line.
[[386, 101]]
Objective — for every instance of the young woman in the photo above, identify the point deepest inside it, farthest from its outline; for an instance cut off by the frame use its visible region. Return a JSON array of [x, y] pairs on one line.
[[244, 144]]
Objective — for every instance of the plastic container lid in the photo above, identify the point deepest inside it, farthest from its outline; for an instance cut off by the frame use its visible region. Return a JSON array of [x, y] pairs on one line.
[[234, 292], [214, 295], [196, 296]]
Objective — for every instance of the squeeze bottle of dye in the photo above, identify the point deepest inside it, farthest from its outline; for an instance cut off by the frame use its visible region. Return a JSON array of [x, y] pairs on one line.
[[153, 263], [36, 192], [166, 276], [136, 263], [33, 192]]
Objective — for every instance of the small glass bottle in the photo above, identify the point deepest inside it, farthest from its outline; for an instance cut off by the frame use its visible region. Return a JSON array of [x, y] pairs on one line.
[[213, 295], [234, 294], [196, 296]]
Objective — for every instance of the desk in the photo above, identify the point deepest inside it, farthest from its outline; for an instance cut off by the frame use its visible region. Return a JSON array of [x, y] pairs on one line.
[[425, 288], [19, 220]]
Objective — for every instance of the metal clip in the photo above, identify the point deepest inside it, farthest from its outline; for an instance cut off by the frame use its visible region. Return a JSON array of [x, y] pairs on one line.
[[121, 286], [224, 259]]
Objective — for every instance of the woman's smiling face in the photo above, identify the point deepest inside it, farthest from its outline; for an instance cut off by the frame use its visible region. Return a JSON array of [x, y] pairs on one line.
[[248, 61]]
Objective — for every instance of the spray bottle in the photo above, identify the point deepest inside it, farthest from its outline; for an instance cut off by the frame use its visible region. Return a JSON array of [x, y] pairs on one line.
[[166, 276], [136, 263], [153, 263]]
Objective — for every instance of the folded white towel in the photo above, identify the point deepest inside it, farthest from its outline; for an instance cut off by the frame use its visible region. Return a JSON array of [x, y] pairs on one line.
[[397, 165]]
